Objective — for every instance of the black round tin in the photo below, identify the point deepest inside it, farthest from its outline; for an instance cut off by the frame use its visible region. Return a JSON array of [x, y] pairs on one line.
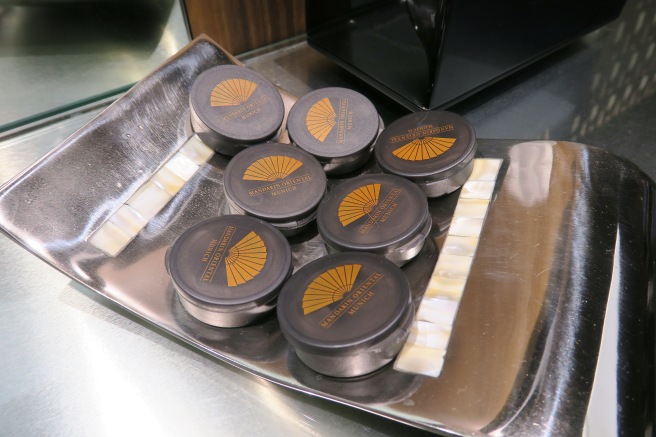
[[228, 270], [234, 107], [378, 213], [434, 149], [337, 125], [346, 314], [278, 183]]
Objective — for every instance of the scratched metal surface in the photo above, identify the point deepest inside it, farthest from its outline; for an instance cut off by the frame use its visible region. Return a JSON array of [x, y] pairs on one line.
[[557, 300]]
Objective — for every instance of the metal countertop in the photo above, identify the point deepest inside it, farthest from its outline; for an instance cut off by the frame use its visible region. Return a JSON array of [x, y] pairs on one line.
[[77, 364]]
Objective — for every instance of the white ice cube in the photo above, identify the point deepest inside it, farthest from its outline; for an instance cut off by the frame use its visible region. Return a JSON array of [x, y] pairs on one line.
[[110, 238], [449, 288], [182, 166], [149, 200], [196, 150], [485, 169], [128, 220], [453, 266], [477, 190], [420, 360], [429, 335], [167, 181], [473, 208], [457, 245], [466, 227], [438, 311]]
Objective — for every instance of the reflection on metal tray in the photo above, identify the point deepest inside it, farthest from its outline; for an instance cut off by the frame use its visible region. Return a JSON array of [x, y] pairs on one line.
[[565, 256]]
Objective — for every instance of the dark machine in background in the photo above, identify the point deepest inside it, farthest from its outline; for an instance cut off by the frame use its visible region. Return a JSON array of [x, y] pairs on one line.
[[433, 53]]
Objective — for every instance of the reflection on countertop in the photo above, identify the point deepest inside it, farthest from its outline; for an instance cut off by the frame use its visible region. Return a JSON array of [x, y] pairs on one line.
[[61, 55]]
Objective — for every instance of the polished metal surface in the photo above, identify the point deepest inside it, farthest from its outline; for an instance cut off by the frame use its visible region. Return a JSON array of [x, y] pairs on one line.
[[569, 226], [77, 364]]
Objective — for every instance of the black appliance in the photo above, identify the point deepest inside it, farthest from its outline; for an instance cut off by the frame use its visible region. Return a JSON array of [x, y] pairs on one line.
[[433, 53]]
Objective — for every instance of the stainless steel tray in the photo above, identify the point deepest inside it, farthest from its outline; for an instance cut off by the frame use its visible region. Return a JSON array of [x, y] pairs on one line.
[[567, 242]]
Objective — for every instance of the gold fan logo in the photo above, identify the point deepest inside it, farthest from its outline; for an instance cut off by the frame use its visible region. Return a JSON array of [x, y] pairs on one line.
[[364, 201], [275, 169], [271, 168], [358, 203], [238, 92], [420, 144], [424, 148], [329, 287], [338, 285], [320, 119], [246, 259], [232, 92]]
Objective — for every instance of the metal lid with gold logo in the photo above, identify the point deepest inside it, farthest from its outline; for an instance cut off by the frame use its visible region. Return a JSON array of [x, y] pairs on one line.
[[234, 107], [434, 149], [228, 270], [278, 183], [346, 314], [377, 213], [336, 125]]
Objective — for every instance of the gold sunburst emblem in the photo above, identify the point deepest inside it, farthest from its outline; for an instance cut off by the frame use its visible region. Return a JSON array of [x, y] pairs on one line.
[[329, 287], [246, 259], [424, 148], [232, 92], [321, 119], [358, 203], [271, 168]]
